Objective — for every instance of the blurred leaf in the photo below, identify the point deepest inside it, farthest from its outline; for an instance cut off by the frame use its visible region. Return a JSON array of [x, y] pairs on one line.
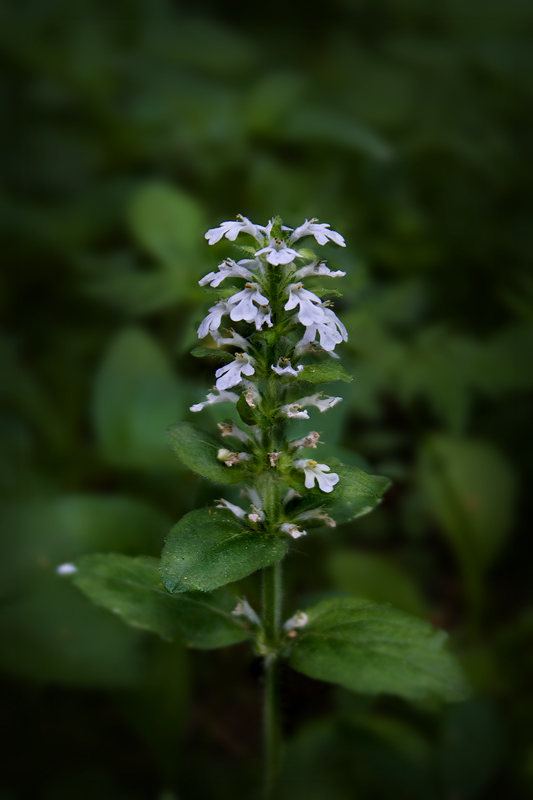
[[329, 126], [315, 764], [325, 372], [132, 588], [41, 534], [374, 577], [373, 648], [158, 707], [49, 632], [471, 488], [54, 635], [471, 748], [212, 352], [209, 548], [166, 222], [198, 450], [136, 397], [271, 99]]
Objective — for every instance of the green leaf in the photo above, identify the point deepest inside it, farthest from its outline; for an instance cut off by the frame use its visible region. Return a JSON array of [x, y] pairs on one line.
[[167, 222], [221, 292], [325, 372], [212, 352], [132, 588], [473, 739], [471, 488], [321, 291], [373, 648], [209, 548], [136, 396], [356, 493], [307, 252], [374, 577], [198, 450]]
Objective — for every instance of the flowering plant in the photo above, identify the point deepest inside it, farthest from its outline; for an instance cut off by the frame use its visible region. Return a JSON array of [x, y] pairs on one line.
[[280, 344]]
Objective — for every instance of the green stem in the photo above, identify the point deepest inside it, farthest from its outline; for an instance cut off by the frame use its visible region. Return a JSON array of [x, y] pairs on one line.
[[272, 600]]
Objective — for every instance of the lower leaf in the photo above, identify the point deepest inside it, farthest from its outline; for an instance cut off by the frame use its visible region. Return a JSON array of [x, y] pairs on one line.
[[132, 588], [373, 648]]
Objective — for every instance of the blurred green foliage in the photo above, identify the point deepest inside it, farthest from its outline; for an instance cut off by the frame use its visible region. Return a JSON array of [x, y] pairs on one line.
[[129, 129]]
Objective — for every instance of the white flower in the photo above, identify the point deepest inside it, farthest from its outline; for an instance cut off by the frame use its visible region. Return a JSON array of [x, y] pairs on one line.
[[308, 441], [221, 397], [230, 458], [263, 315], [253, 495], [320, 230], [277, 252], [293, 530], [231, 374], [231, 429], [284, 367], [293, 411], [228, 269], [239, 512], [234, 339], [317, 268], [314, 471], [331, 330], [232, 229], [317, 513], [244, 609], [297, 621], [212, 322], [242, 303], [273, 457], [251, 394], [321, 401], [311, 311], [66, 569]]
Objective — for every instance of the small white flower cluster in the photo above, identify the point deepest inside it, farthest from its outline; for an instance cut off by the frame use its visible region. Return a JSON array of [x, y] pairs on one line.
[[251, 305], [272, 286]]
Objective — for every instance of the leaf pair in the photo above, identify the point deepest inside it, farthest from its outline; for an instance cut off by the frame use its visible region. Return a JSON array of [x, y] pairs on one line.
[[364, 646]]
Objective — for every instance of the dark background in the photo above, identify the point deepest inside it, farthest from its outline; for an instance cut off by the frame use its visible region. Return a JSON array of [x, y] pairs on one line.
[[130, 127]]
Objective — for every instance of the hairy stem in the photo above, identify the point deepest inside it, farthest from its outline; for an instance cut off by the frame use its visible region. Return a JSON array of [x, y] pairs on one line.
[[272, 601]]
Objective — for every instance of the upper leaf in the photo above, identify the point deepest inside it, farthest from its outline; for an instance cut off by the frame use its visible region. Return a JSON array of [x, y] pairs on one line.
[[209, 548], [356, 493], [132, 588], [373, 648], [325, 373], [198, 450]]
